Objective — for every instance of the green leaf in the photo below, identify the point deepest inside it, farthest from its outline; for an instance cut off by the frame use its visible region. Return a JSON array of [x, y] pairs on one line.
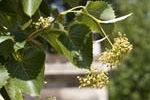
[[51, 35], [28, 73], [25, 25], [77, 45], [8, 20], [100, 10], [34, 86], [3, 76], [3, 20], [45, 8], [72, 3], [116, 19], [85, 19], [4, 38], [30, 6], [6, 45], [13, 92], [19, 45]]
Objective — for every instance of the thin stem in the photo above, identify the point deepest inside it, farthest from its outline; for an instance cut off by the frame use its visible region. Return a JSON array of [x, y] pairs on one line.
[[105, 35], [74, 8], [100, 27], [70, 10], [100, 40], [36, 43], [35, 33]]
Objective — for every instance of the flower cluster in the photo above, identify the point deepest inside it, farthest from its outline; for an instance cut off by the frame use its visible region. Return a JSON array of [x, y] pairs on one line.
[[51, 98], [94, 78], [42, 22], [120, 49]]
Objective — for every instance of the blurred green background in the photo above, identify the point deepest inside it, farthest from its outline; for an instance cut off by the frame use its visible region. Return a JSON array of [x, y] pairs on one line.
[[131, 80]]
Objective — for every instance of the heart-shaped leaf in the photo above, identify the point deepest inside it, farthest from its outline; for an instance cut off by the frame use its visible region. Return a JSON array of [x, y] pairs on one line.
[[77, 45], [28, 73]]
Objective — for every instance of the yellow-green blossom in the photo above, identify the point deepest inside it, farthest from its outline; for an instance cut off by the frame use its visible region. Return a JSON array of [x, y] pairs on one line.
[[51, 98], [94, 78], [42, 22], [120, 49]]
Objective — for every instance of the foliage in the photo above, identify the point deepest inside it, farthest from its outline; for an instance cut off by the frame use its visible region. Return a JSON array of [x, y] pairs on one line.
[[131, 80], [26, 23]]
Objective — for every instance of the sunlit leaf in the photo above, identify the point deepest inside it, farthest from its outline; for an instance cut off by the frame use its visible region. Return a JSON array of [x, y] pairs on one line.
[[116, 19], [3, 76], [19, 45], [100, 10], [30, 6], [4, 38], [13, 92]]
